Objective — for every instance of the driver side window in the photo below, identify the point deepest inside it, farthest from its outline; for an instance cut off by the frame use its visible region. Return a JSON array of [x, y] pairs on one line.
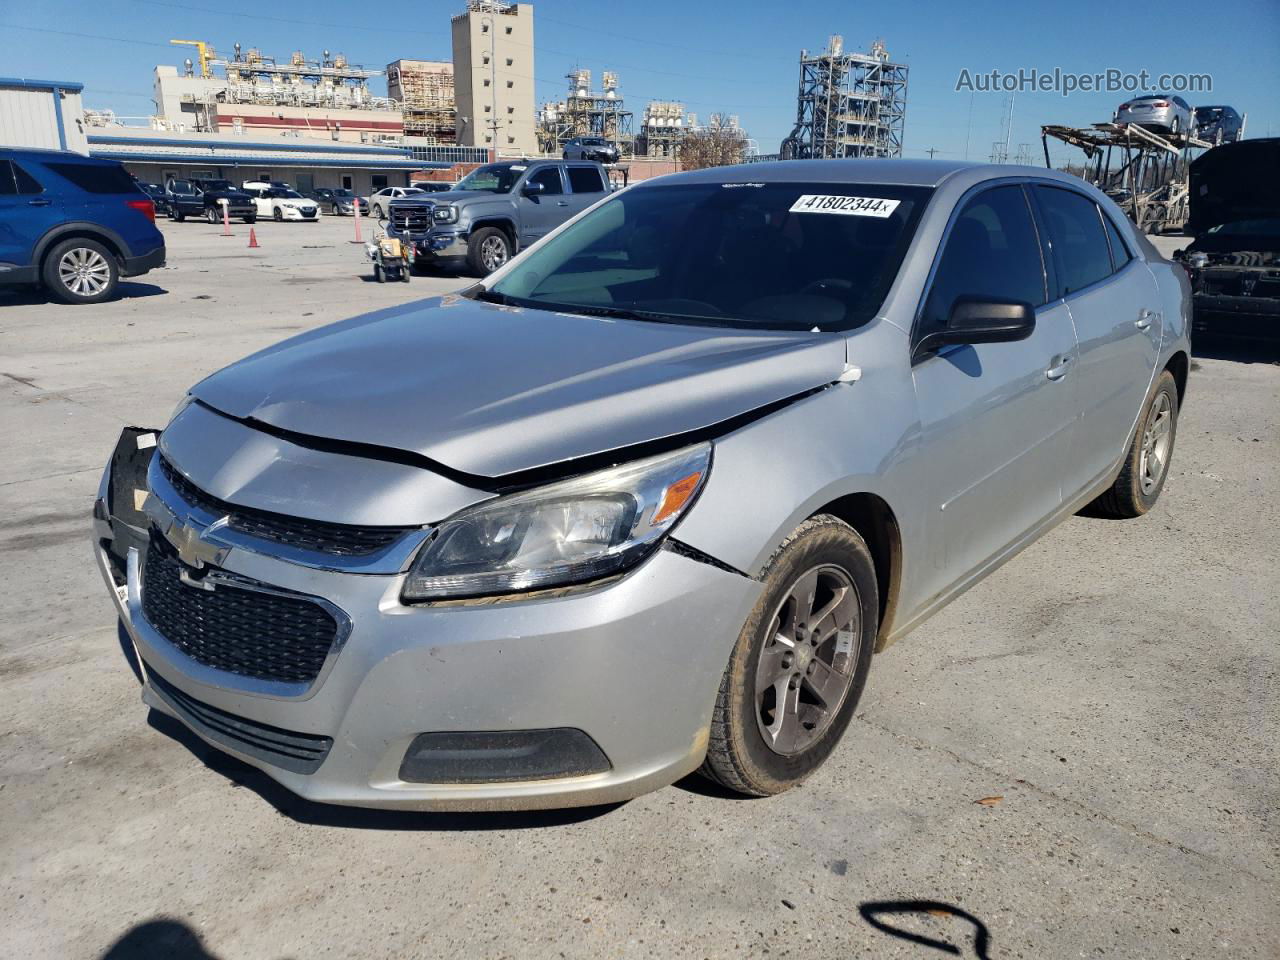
[[549, 177], [992, 251]]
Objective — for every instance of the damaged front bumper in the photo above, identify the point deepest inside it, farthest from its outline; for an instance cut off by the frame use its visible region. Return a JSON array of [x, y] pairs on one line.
[[630, 667]]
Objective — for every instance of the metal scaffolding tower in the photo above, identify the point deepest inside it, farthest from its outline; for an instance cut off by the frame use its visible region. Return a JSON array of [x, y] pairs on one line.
[[586, 114], [425, 89], [848, 104]]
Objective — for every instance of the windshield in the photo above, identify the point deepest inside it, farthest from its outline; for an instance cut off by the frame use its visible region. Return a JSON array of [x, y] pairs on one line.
[[343, 192], [493, 177], [287, 194], [792, 256]]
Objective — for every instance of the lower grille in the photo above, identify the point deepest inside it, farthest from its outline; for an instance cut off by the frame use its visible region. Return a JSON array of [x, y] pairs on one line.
[[296, 752], [266, 636], [340, 540]]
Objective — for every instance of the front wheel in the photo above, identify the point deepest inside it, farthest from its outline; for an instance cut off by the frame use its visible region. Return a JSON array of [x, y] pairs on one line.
[[277, 215], [1146, 467], [177, 215], [800, 663], [487, 250], [379, 274], [211, 214], [252, 219]]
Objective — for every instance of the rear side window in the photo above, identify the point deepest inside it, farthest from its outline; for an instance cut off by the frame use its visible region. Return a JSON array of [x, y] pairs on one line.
[[7, 187], [181, 186], [24, 181], [1079, 242], [549, 177], [96, 178], [585, 180], [1120, 254], [992, 251]]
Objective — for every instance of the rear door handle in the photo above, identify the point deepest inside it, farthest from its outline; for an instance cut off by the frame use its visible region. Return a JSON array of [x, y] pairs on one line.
[[1058, 371], [1144, 319], [562, 203], [42, 202]]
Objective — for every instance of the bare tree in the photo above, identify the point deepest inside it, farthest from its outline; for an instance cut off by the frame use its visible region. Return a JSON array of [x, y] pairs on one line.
[[718, 144]]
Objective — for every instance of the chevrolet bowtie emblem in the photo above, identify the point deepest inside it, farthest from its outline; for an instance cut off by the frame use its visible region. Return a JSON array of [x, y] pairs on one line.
[[196, 543]]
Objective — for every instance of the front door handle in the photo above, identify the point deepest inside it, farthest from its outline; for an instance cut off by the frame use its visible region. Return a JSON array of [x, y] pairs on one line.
[[1144, 319], [562, 203], [1059, 370], [41, 202]]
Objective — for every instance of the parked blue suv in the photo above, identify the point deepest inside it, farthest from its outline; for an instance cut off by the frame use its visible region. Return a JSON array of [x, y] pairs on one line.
[[74, 224]]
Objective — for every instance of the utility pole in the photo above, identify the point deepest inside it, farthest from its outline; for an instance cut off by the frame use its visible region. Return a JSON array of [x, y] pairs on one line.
[[931, 151]]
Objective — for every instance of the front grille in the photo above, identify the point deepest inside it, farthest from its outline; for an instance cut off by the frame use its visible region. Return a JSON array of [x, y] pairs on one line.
[[265, 636], [296, 752], [413, 218], [336, 539]]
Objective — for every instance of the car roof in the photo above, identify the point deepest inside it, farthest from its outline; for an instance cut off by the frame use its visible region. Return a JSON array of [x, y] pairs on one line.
[[885, 170], [40, 154]]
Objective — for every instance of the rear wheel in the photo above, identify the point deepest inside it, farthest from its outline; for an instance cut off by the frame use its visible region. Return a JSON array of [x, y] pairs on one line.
[[487, 250], [252, 219], [1145, 469], [379, 274], [81, 271], [177, 215], [801, 661]]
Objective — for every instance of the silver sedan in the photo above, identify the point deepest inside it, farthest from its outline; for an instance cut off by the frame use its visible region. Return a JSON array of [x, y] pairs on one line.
[[1158, 112], [647, 500]]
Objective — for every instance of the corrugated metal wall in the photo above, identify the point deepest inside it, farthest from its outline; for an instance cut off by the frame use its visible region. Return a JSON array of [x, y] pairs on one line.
[[28, 118]]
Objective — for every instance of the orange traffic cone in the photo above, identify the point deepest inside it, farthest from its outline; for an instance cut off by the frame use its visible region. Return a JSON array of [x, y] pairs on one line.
[[253, 238]]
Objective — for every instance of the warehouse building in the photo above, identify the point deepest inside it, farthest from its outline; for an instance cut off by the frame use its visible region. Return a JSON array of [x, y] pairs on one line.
[[155, 156], [41, 113]]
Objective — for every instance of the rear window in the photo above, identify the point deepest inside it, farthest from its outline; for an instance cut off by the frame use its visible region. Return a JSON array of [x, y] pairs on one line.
[[96, 177], [585, 180]]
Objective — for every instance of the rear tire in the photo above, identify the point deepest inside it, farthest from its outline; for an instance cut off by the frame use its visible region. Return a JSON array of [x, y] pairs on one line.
[[1138, 485], [796, 673], [379, 274], [252, 219], [81, 271], [178, 215]]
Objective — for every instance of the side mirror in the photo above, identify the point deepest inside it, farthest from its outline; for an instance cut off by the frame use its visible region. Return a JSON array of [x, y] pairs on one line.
[[532, 188], [981, 320]]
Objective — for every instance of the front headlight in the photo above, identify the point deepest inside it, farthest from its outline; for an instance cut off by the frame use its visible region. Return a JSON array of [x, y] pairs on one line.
[[564, 533], [445, 215]]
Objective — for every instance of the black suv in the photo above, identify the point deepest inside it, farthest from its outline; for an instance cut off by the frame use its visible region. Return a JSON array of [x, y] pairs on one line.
[[200, 198]]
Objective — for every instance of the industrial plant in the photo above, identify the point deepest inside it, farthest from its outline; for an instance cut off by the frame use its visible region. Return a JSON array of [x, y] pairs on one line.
[[848, 104]]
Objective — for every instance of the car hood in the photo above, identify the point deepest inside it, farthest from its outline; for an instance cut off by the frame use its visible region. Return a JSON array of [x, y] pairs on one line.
[[491, 390], [451, 196], [231, 195], [1234, 182]]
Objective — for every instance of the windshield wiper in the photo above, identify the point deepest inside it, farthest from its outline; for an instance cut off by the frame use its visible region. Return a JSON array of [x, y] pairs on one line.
[[492, 296]]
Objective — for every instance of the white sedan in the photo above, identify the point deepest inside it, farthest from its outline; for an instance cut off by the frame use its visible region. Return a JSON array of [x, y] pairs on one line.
[[284, 204]]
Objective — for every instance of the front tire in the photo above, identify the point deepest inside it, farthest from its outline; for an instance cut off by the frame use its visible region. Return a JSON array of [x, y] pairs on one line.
[[1138, 485], [252, 219], [487, 250], [800, 663], [177, 215], [379, 274], [277, 215], [81, 271], [210, 214]]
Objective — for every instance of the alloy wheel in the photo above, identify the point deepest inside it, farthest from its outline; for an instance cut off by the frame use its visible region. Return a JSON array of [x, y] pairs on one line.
[[493, 253], [84, 272], [807, 664], [1155, 443]]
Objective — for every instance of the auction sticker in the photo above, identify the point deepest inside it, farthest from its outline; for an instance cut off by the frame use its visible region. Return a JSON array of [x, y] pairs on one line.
[[844, 206]]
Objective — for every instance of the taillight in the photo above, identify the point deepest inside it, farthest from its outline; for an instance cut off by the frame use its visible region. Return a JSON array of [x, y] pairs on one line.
[[147, 207], [1124, 106], [1160, 103]]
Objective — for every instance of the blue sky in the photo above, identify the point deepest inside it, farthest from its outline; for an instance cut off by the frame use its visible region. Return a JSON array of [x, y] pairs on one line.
[[734, 58]]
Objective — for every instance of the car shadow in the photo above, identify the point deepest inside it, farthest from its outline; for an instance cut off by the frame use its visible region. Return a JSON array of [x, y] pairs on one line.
[[300, 810], [876, 912], [26, 296], [1205, 346]]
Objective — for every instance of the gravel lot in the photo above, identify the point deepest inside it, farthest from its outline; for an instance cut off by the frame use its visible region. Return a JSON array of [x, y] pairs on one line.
[[1114, 689]]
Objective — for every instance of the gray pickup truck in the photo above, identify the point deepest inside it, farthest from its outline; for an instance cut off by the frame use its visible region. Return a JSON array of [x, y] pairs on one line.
[[495, 211]]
